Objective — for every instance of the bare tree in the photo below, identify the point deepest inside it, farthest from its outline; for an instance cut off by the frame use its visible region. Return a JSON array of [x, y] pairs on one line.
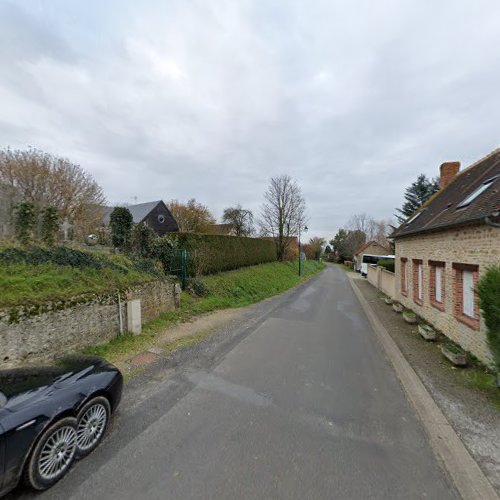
[[240, 219], [283, 212], [46, 180], [376, 230], [362, 222]]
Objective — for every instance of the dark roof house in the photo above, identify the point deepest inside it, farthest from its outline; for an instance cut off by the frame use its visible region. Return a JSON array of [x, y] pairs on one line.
[[465, 197], [154, 213], [444, 249]]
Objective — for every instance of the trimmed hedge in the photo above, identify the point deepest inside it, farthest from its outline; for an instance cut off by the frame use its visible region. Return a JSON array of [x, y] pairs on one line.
[[489, 299], [387, 264], [213, 253]]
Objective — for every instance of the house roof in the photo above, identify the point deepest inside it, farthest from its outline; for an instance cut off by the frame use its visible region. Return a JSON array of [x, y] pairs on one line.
[[139, 212], [367, 244], [446, 208]]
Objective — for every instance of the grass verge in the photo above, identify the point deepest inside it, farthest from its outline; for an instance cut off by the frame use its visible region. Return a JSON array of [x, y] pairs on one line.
[[229, 289], [33, 284]]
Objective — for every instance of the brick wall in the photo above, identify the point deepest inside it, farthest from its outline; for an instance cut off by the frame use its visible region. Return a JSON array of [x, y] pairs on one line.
[[476, 247], [28, 336]]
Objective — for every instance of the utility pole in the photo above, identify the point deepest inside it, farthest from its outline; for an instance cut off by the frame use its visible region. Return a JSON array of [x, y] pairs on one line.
[[300, 251]]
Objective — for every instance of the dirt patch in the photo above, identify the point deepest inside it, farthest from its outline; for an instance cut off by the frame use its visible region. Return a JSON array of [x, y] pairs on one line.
[[163, 342], [472, 411]]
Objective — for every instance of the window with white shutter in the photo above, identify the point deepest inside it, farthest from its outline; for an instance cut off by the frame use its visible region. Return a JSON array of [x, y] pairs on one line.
[[468, 293], [420, 282], [438, 277]]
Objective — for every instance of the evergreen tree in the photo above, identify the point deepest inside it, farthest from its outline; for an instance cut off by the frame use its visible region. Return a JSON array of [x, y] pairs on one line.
[[25, 222], [121, 227], [416, 195], [50, 225]]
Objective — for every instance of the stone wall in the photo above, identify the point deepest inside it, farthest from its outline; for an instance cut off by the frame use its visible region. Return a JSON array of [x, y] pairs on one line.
[[382, 279], [475, 247], [40, 333]]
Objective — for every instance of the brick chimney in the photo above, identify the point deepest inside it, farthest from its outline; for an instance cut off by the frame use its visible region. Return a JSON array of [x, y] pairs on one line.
[[448, 171]]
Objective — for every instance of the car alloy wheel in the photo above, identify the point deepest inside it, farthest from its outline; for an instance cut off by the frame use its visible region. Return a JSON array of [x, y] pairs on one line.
[[52, 455], [92, 423], [57, 453]]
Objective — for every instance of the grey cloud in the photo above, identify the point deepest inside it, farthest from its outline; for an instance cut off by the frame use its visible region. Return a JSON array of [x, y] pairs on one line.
[[208, 100]]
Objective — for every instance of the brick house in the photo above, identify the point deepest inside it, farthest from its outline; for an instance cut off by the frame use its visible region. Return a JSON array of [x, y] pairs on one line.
[[369, 248], [445, 247]]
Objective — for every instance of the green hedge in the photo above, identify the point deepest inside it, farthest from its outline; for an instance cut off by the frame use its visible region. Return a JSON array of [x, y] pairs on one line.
[[489, 299], [213, 253], [386, 264]]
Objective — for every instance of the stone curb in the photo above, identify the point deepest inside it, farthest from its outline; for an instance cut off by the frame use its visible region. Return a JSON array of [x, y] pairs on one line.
[[465, 473]]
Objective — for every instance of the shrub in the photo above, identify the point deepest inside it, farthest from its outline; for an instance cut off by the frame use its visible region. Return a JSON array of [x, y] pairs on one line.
[[489, 299], [49, 225], [210, 253], [386, 264], [64, 256], [120, 222], [196, 287], [143, 238], [25, 222]]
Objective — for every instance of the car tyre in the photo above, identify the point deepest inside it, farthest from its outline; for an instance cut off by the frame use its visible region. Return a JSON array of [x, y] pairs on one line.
[[92, 422], [52, 455]]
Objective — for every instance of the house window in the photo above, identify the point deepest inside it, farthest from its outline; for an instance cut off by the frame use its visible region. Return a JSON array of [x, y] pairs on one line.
[[466, 277], [468, 293], [418, 282], [161, 218], [436, 284], [404, 275], [480, 190]]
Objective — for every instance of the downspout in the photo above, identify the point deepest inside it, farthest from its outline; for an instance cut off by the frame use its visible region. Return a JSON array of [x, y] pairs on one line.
[[489, 222]]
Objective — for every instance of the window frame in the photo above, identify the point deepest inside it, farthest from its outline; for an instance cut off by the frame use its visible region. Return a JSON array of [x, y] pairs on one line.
[[434, 265], [404, 276], [418, 281], [458, 270]]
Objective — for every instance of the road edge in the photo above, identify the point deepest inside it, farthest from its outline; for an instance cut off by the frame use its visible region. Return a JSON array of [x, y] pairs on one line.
[[465, 473]]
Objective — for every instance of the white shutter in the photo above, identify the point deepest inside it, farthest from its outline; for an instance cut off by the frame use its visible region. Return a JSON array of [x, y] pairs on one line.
[[468, 293], [439, 293], [420, 282]]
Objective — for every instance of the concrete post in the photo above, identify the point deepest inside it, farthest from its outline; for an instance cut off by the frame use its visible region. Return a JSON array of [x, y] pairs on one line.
[[134, 323]]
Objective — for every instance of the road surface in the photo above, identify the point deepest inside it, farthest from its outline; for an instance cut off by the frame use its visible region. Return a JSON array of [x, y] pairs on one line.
[[301, 405]]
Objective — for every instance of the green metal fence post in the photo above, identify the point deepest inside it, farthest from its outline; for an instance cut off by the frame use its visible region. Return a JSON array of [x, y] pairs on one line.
[[184, 262]]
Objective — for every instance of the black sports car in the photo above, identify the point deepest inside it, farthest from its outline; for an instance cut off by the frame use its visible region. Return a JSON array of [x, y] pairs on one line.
[[51, 415]]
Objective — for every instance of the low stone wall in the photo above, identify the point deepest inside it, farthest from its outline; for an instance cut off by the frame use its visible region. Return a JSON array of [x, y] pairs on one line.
[[382, 279], [39, 333]]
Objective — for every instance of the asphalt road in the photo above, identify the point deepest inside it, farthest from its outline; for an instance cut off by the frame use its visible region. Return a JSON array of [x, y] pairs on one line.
[[296, 401]]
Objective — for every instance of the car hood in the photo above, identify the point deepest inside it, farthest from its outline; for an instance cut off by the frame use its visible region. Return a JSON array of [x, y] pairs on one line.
[[19, 385]]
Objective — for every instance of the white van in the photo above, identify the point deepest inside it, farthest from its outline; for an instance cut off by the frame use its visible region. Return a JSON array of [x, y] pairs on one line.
[[372, 259]]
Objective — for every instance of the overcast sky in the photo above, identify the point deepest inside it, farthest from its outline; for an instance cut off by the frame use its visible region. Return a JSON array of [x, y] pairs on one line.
[[209, 99]]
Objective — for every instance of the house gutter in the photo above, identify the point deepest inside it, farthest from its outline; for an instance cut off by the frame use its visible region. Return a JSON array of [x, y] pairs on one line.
[[489, 222]]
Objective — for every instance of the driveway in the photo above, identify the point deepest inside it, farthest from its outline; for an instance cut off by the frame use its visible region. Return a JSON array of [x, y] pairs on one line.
[[299, 403]]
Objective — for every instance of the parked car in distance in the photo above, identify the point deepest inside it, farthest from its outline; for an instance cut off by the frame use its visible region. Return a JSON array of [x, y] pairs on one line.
[[50, 415]]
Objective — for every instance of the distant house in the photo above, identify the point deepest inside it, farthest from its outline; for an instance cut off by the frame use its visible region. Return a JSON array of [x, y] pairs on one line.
[[370, 248], [154, 213], [445, 247]]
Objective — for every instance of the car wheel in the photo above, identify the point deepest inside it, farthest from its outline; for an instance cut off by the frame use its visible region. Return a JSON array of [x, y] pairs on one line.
[[52, 455], [92, 423]]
